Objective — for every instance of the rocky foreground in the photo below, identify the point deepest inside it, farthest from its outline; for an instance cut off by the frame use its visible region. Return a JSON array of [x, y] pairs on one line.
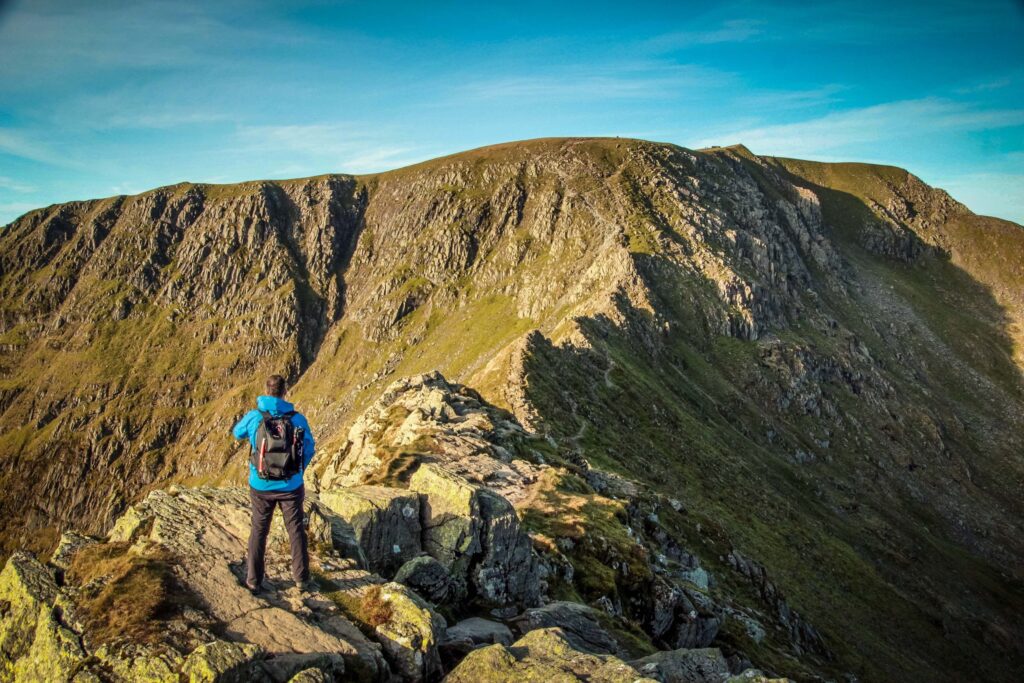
[[448, 542]]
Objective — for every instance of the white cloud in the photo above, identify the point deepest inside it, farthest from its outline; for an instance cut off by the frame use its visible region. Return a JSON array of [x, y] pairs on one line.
[[330, 147], [15, 186], [732, 31], [891, 121], [639, 80], [16, 143]]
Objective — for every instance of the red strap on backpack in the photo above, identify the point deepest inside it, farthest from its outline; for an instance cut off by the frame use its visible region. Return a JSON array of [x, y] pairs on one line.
[[263, 448]]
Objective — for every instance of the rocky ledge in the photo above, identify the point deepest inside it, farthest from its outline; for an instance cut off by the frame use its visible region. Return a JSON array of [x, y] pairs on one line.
[[447, 541]]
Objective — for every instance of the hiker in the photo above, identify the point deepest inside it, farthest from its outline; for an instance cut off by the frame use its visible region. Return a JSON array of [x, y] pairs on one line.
[[281, 446]]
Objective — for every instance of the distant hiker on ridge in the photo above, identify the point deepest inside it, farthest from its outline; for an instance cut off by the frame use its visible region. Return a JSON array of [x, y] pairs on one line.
[[281, 446]]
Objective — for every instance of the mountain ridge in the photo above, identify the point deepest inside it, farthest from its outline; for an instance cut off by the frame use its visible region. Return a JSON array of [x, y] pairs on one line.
[[813, 354]]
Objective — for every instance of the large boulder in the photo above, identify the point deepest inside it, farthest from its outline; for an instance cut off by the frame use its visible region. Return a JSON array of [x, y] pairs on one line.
[[385, 521], [402, 622], [27, 589], [475, 534], [701, 665], [578, 623], [224, 662], [428, 577], [542, 655]]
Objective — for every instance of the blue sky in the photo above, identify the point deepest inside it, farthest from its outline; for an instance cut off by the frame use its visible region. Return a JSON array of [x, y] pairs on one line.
[[104, 97]]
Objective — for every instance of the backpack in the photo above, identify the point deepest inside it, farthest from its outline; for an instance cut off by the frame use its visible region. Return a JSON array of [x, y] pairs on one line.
[[277, 453]]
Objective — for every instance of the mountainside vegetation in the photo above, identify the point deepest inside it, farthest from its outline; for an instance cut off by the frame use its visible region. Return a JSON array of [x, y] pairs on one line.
[[804, 380]]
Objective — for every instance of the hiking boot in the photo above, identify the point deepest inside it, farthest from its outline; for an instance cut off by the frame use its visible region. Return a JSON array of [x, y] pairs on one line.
[[307, 586], [255, 590]]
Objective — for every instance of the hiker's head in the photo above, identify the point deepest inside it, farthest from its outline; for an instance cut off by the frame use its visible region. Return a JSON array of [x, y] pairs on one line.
[[276, 386]]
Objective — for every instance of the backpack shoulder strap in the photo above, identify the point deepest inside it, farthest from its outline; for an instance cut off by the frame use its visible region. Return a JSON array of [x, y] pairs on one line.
[[266, 415]]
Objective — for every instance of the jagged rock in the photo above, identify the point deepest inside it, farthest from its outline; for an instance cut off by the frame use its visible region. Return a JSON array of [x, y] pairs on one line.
[[70, 543], [129, 662], [311, 676], [542, 655], [224, 662], [705, 665], [426, 576], [407, 628], [465, 524], [430, 419], [480, 631], [27, 590], [385, 521], [579, 624]]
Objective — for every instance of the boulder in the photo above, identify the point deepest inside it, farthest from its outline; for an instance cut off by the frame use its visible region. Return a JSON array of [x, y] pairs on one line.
[[224, 662], [705, 665], [70, 543], [475, 534], [756, 676], [542, 655], [480, 632], [27, 590], [404, 625], [578, 624], [426, 576], [385, 521]]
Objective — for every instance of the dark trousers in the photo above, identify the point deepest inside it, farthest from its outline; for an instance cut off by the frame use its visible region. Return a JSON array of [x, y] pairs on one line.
[[263, 503]]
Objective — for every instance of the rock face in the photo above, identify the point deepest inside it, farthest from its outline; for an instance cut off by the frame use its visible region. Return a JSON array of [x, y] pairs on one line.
[[542, 655], [385, 521], [677, 357]]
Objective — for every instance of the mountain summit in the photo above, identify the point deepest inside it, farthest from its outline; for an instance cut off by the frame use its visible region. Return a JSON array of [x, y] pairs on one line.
[[688, 410]]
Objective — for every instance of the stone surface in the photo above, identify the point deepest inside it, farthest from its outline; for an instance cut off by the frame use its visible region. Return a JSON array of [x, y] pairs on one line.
[[224, 662], [426, 576], [542, 655], [385, 522], [480, 631], [579, 624], [705, 665]]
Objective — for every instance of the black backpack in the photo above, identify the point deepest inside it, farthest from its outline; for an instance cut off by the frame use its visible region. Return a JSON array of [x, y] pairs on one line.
[[277, 453]]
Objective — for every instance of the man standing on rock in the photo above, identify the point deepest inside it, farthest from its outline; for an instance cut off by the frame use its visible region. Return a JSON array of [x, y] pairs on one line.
[[281, 447]]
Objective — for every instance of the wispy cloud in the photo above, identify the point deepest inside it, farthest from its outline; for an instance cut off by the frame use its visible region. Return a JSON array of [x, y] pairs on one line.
[[17, 143], [629, 80], [867, 125], [15, 186], [732, 31], [330, 147]]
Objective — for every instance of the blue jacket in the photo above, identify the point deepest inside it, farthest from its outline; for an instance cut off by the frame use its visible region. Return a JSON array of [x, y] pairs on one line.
[[247, 427]]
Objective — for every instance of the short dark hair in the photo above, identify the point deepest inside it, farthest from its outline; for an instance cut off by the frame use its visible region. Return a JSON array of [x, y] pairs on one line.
[[276, 386]]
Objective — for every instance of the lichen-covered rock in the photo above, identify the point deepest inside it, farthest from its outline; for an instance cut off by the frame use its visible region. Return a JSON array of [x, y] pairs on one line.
[[55, 652], [578, 623], [70, 543], [411, 633], [385, 521], [27, 589], [426, 576], [545, 655], [130, 662], [475, 534], [705, 665], [224, 662], [311, 676]]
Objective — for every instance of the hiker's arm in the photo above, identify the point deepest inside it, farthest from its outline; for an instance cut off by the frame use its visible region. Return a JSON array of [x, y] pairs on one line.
[[308, 444], [241, 429]]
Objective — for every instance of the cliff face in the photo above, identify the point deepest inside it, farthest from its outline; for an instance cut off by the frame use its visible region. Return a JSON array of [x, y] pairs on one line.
[[820, 363]]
